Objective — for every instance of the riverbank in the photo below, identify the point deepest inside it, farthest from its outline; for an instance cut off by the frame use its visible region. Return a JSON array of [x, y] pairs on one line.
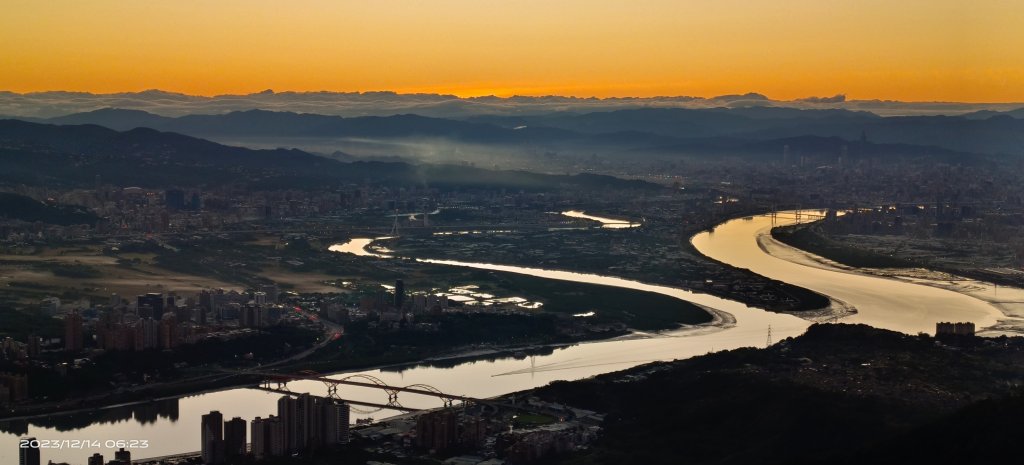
[[883, 303], [220, 381], [837, 394], [788, 243]]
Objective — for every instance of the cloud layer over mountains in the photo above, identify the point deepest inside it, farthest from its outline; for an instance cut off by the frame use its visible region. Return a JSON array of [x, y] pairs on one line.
[[58, 103]]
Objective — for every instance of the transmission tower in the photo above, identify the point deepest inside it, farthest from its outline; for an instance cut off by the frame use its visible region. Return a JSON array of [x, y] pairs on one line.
[[769, 344]]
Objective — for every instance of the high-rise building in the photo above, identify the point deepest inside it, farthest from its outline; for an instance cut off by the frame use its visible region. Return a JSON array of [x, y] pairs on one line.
[[123, 456], [251, 316], [212, 436], [155, 303], [95, 459], [437, 431], [335, 422], [268, 437], [296, 414], [207, 299], [312, 422], [419, 303], [234, 438], [73, 339], [33, 346], [168, 336], [259, 298], [399, 293], [271, 291], [27, 454], [147, 334], [174, 199]]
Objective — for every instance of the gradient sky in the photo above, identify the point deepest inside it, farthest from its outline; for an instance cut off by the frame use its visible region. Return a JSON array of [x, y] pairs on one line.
[[969, 50]]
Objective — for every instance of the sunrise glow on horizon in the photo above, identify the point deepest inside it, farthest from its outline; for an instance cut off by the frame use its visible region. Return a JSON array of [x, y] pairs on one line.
[[938, 50]]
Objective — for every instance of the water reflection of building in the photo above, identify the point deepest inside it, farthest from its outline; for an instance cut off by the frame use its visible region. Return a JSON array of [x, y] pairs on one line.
[[954, 329], [13, 387], [14, 427], [144, 413], [150, 412]]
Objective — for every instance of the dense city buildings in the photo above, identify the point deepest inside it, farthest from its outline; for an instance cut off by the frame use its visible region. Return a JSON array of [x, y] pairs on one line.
[[312, 422], [303, 424]]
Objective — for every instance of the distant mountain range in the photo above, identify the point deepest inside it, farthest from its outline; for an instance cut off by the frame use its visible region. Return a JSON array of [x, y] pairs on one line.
[[668, 131], [286, 124], [57, 103], [73, 155]]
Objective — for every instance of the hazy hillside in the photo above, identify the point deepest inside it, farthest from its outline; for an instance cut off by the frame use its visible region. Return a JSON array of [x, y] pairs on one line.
[[608, 133], [19, 207], [43, 154]]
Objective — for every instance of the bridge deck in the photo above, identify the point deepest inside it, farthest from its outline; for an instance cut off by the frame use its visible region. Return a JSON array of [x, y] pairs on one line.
[[353, 402]]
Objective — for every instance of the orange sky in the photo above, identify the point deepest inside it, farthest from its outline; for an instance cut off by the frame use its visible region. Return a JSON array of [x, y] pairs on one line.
[[955, 50]]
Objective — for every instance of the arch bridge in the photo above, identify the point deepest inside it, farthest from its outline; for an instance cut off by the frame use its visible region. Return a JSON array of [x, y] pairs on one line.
[[277, 382]]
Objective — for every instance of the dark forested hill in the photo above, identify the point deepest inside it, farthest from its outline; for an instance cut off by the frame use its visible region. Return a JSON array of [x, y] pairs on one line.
[[19, 207], [44, 154], [837, 394]]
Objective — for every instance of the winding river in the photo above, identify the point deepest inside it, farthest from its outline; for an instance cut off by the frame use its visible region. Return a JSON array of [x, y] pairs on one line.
[[172, 426]]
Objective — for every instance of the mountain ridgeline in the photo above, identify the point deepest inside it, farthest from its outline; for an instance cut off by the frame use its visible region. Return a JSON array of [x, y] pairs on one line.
[[73, 155], [747, 131]]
